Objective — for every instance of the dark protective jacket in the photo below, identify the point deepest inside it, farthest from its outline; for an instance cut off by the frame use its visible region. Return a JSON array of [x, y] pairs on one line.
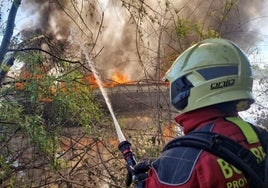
[[182, 167]]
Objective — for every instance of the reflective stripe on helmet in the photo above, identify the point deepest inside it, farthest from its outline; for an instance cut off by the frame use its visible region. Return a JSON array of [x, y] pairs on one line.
[[216, 72]]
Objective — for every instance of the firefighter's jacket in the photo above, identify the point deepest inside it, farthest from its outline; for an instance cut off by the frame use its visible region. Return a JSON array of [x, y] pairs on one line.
[[182, 167]]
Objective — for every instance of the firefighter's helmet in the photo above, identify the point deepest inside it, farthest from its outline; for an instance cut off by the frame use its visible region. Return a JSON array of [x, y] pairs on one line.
[[210, 72]]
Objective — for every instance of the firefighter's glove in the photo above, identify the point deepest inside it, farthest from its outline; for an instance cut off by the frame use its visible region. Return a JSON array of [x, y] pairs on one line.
[[141, 169], [139, 172]]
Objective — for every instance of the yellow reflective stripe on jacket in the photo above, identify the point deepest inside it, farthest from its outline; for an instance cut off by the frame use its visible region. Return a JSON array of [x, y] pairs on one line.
[[251, 137], [247, 130]]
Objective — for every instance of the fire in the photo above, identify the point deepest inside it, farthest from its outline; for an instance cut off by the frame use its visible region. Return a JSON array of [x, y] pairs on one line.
[[117, 79], [89, 78]]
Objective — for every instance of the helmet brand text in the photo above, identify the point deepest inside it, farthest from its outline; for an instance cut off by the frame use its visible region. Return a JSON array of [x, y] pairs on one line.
[[222, 84]]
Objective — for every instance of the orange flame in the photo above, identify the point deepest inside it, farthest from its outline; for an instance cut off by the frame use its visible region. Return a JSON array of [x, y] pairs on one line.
[[117, 79], [89, 78]]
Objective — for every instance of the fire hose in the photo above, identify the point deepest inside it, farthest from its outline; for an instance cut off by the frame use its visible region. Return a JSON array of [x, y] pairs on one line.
[[124, 146]]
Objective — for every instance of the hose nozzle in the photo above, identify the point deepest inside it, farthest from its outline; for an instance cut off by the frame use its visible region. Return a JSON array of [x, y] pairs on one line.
[[125, 148]]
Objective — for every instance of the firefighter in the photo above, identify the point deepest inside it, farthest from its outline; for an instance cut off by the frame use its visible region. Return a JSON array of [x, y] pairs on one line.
[[209, 84]]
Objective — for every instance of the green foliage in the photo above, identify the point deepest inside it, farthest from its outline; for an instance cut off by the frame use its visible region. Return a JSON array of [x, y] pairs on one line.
[[5, 170], [39, 107], [13, 119], [73, 103], [62, 101], [44, 140]]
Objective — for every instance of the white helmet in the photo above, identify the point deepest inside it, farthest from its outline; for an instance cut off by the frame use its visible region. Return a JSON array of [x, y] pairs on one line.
[[212, 71]]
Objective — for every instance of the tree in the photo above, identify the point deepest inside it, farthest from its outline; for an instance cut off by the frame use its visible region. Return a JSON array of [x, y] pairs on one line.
[[36, 107], [6, 40]]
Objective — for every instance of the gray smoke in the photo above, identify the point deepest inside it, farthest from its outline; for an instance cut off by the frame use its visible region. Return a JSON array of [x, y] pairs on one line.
[[110, 29]]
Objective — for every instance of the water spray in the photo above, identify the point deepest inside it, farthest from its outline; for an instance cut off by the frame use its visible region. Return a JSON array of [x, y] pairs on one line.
[[124, 146]]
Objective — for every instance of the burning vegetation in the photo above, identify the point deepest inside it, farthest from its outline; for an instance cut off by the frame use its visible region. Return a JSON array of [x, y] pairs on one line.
[[118, 78]]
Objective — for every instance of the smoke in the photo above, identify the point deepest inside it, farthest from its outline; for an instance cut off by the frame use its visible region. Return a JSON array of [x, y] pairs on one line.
[[129, 38], [44, 17], [233, 19]]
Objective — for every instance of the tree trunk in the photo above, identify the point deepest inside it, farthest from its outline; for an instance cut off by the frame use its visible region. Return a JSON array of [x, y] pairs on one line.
[[7, 37]]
